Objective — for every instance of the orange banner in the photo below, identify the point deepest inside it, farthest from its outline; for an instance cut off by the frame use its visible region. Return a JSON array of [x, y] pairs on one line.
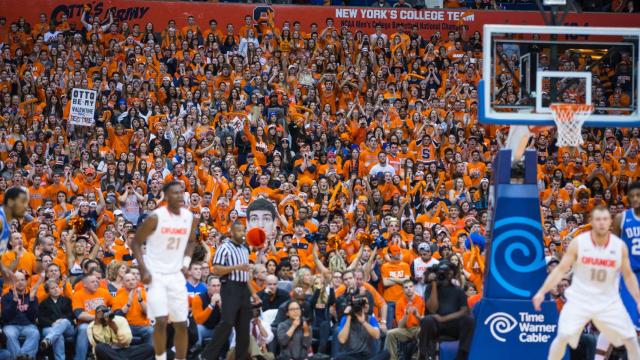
[[364, 19]]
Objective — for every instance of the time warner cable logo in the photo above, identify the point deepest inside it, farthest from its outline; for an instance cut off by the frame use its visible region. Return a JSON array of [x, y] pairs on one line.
[[500, 323], [532, 327]]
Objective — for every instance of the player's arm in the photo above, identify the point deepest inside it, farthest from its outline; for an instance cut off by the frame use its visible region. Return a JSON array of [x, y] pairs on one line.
[[191, 245], [630, 279], [7, 274], [616, 228], [147, 227], [557, 274]]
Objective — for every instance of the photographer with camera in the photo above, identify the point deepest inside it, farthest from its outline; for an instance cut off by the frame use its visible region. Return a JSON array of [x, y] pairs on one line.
[[358, 333], [351, 292], [448, 313], [110, 336]]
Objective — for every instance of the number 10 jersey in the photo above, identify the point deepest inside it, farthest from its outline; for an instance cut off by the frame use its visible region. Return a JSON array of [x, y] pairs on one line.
[[596, 272]]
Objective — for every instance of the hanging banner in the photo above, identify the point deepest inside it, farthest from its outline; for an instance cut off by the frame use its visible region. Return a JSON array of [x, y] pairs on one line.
[[355, 18], [83, 107]]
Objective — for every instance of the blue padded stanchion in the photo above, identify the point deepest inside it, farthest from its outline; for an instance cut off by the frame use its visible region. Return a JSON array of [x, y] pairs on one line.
[[507, 326]]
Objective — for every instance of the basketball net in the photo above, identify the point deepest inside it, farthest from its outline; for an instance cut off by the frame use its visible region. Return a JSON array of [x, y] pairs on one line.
[[569, 119]]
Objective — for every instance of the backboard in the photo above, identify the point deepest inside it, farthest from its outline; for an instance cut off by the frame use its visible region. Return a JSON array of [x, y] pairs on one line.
[[528, 68]]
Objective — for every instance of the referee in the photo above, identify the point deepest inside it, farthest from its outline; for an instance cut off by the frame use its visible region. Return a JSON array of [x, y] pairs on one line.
[[231, 263]]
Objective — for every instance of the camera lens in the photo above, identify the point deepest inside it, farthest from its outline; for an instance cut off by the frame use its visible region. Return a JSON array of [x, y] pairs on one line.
[[109, 315]]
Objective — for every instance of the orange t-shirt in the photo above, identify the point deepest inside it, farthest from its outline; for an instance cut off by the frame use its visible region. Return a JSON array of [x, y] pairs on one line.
[[27, 261], [135, 316], [37, 196], [104, 284], [121, 251], [394, 270], [86, 301], [479, 169], [303, 246], [119, 143], [401, 306], [562, 194]]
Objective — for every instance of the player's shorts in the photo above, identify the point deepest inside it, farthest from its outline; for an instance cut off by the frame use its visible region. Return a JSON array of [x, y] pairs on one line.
[[612, 320], [630, 304], [167, 296]]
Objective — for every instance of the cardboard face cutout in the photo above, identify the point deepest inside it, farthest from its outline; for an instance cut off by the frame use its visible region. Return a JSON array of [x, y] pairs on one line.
[[262, 214]]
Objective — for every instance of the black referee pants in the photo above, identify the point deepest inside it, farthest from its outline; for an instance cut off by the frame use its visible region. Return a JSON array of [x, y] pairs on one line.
[[236, 313]]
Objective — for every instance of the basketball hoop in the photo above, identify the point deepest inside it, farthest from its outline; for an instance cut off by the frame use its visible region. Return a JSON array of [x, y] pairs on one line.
[[569, 119]]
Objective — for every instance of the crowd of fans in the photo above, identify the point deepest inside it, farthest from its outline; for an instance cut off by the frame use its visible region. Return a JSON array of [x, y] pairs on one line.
[[367, 144]]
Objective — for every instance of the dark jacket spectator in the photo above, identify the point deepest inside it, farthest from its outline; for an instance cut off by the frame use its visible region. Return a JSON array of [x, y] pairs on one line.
[[294, 334], [273, 300], [19, 312], [19, 309], [56, 319], [49, 311]]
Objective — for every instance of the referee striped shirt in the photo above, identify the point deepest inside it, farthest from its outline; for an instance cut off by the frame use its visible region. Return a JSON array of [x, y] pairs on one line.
[[232, 254]]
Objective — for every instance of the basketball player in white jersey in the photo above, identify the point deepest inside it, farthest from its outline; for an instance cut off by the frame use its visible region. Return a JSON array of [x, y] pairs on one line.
[[598, 258], [169, 234], [626, 225]]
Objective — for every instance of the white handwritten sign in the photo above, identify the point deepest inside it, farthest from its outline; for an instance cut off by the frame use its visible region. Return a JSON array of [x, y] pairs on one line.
[[83, 107]]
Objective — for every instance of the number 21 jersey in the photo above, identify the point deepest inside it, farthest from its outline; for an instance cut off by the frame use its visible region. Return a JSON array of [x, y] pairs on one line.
[[166, 245], [630, 234]]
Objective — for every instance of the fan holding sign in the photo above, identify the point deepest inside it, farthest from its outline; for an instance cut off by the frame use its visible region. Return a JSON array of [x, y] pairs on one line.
[[83, 107]]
